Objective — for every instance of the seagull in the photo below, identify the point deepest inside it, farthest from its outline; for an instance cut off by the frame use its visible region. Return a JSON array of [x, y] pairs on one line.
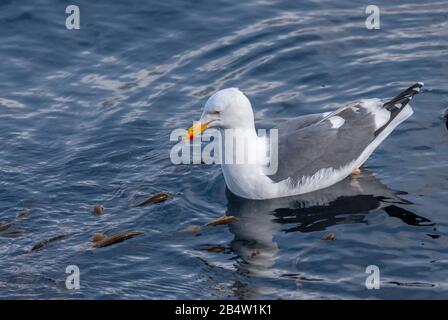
[[313, 151]]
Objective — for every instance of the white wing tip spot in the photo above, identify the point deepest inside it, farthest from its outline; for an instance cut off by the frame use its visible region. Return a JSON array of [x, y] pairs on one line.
[[336, 122]]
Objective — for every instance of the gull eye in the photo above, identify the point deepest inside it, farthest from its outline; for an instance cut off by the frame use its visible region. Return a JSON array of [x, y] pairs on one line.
[[216, 112]]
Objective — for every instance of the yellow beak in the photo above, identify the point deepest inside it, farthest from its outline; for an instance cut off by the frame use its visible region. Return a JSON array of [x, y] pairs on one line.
[[195, 130]]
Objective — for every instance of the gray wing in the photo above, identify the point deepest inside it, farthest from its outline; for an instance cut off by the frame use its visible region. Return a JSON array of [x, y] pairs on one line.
[[291, 125], [331, 142], [308, 145]]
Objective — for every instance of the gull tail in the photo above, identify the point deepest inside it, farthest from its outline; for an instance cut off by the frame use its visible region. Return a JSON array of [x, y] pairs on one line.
[[403, 98]]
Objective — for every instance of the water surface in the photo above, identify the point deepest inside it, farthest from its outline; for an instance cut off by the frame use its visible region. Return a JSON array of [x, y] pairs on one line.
[[85, 118]]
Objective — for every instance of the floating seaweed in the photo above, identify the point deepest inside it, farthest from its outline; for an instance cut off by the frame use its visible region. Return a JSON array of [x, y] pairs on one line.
[[329, 237], [5, 226], [22, 213], [103, 241], [8, 229], [224, 219], [44, 243], [98, 210], [157, 198], [12, 233], [98, 237], [192, 229]]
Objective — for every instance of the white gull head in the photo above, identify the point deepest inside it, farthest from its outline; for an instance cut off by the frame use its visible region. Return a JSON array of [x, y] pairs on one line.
[[228, 109]]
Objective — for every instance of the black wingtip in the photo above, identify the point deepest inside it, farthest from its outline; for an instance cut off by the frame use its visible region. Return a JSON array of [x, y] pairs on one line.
[[404, 97], [397, 104]]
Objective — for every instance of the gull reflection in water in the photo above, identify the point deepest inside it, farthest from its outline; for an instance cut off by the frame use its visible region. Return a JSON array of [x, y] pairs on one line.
[[347, 202]]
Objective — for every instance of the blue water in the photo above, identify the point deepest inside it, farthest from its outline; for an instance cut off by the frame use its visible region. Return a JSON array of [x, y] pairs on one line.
[[85, 118]]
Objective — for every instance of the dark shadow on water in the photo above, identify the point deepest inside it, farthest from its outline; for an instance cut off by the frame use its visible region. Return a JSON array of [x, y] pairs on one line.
[[348, 202]]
